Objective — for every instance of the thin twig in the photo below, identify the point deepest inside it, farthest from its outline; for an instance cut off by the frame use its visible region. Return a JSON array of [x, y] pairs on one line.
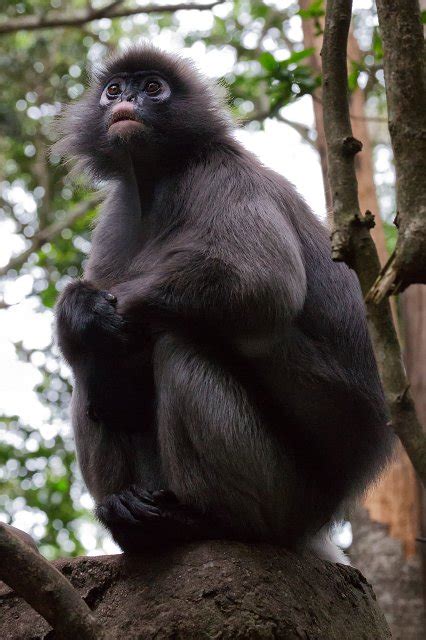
[[352, 242], [301, 129], [357, 117], [78, 17], [50, 233]]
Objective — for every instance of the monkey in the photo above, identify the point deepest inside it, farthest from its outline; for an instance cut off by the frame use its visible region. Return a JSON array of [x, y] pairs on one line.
[[224, 380]]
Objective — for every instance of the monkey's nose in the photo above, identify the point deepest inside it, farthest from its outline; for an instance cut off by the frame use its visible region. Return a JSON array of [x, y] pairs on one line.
[[123, 106]]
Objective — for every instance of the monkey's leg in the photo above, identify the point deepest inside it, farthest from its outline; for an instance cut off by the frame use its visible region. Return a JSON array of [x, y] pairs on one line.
[[226, 472], [217, 453]]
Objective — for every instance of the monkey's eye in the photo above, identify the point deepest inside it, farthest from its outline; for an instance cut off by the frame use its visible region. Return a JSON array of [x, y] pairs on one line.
[[113, 90], [152, 88]]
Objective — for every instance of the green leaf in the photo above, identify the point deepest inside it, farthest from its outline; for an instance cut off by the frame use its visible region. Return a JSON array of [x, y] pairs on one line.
[[353, 76], [268, 61], [297, 56], [377, 45], [315, 10], [391, 235]]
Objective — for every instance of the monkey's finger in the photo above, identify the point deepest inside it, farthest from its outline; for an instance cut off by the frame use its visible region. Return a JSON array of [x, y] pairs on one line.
[[140, 509], [113, 510], [144, 495]]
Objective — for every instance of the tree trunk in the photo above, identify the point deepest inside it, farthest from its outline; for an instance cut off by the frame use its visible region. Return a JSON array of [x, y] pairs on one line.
[[394, 500], [384, 553], [212, 590]]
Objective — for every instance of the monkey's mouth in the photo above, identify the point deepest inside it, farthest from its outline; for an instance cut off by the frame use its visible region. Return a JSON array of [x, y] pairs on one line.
[[124, 116]]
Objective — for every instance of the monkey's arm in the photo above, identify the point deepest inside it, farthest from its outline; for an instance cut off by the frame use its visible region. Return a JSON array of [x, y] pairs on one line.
[[87, 322], [249, 285]]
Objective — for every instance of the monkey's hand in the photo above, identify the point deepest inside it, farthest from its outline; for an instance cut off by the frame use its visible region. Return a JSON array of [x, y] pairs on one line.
[[143, 519], [88, 322]]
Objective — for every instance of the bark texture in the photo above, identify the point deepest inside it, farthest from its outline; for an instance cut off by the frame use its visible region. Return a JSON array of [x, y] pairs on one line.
[[212, 590], [405, 68], [351, 240]]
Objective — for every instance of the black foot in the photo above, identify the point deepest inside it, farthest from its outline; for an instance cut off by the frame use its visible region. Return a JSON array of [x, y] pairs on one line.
[[141, 519]]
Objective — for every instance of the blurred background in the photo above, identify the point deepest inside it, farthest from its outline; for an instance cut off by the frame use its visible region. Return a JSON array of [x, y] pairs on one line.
[[266, 56]]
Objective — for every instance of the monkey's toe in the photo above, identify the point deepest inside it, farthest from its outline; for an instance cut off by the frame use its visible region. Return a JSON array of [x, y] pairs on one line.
[[111, 511], [125, 508], [140, 504]]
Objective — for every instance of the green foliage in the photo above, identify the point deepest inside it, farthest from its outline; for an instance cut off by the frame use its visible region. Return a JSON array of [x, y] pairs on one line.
[[377, 45], [391, 235], [35, 475], [315, 10], [353, 75], [287, 79]]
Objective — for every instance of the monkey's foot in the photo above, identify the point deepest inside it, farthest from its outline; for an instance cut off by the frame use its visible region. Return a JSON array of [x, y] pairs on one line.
[[139, 519]]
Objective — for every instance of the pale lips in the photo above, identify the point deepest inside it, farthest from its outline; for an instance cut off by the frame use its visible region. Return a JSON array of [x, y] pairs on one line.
[[125, 113]]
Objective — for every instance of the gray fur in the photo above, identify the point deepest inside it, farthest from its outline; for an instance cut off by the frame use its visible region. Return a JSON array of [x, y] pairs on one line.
[[235, 369]]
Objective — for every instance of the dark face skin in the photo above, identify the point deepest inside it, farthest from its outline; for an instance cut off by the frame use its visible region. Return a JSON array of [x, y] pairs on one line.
[[131, 104], [144, 106]]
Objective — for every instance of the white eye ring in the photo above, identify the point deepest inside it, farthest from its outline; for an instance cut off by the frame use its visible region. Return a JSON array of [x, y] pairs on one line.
[[156, 90]]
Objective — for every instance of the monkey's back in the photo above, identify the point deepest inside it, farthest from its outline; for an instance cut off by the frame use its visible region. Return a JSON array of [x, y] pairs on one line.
[[321, 380]]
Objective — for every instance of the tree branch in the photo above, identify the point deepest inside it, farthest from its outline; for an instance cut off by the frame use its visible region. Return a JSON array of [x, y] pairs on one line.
[[356, 116], [46, 589], [351, 238], [80, 17], [301, 129], [405, 78], [50, 232], [214, 589]]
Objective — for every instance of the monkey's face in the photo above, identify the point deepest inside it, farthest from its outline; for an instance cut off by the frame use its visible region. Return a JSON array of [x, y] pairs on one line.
[[146, 102], [135, 106]]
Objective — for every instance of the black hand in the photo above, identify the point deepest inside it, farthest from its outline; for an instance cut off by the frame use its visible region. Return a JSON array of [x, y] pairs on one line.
[[87, 319]]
